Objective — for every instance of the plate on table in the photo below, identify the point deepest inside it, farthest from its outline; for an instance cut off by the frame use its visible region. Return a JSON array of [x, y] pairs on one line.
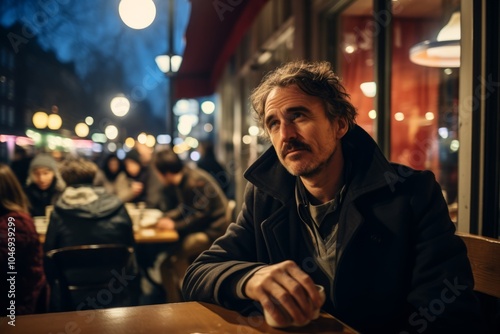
[[150, 217]]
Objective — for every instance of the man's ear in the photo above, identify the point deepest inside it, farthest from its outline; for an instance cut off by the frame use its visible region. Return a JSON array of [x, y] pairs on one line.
[[342, 127]]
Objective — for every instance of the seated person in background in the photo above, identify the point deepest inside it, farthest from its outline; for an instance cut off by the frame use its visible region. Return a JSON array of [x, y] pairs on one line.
[[324, 206], [31, 290], [86, 215], [199, 215], [112, 175], [44, 184], [134, 189]]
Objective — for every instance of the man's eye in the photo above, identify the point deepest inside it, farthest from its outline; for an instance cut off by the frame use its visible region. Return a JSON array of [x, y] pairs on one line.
[[296, 115], [272, 125]]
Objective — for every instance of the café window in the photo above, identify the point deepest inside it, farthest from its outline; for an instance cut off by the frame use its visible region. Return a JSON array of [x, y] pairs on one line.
[[423, 108]]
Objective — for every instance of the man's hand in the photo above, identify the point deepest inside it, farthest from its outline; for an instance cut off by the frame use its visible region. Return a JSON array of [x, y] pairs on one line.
[[165, 223], [285, 292]]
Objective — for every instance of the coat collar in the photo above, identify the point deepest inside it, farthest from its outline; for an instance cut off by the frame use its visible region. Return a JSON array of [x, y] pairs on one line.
[[370, 169]]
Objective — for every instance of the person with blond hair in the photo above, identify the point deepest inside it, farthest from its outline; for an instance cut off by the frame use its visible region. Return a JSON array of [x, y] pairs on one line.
[[19, 240]]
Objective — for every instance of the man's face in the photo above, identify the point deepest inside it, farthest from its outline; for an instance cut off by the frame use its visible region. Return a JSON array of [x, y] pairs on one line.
[[165, 179], [306, 141], [42, 177]]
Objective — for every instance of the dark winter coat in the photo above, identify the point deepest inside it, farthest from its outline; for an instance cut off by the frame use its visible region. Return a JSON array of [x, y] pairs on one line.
[[39, 199], [398, 254], [200, 205], [86, 215]]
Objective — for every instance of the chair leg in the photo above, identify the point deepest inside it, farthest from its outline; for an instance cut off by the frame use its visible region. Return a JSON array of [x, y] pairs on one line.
[[171, 280]]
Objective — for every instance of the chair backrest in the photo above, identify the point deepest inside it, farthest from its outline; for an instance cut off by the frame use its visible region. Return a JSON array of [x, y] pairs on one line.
[[107, 274], [484, 256]]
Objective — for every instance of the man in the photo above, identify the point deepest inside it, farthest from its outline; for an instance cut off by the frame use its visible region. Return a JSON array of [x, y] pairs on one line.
[[198, 215], [323, 206]]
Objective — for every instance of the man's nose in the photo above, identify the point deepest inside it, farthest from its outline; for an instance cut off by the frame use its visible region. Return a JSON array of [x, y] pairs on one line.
[[288, 131]]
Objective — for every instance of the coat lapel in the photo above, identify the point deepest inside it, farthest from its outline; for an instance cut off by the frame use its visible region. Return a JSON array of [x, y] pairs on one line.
[[276, 231]]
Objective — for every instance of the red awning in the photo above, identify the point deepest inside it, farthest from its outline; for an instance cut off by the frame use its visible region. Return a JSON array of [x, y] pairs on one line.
[[214, 31]]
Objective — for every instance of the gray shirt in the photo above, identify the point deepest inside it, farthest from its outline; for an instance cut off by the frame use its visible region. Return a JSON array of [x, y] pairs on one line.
[[321, 222]]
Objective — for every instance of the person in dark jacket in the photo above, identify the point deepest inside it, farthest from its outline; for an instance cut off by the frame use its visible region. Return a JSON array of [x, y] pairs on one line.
[[44, 184], [324, 206], [86, 215], [201, 205], [199, 215], [25, 291]]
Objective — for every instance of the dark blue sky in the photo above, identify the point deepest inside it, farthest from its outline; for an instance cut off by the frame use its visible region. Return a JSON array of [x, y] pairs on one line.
[[86, 32]]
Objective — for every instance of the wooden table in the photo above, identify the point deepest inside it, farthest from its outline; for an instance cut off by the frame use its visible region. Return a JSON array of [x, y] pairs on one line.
[[192, 317], [152, 235], [146, 236], [143, 233]]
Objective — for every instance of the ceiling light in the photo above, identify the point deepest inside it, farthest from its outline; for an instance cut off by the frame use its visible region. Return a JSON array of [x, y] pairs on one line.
[[442, 52], [369, 89]]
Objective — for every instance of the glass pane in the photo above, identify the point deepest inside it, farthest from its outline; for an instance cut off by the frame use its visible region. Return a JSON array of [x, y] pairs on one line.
[[424, 106], [355, 60]]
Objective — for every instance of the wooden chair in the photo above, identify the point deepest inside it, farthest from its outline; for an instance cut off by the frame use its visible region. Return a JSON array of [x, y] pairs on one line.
[[484, 256], [85, 276]]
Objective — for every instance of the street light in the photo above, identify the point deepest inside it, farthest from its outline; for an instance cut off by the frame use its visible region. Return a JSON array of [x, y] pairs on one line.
[[41, 120], [54, 122], [82, 130], [169, 64], [137, 14], [120, 106]]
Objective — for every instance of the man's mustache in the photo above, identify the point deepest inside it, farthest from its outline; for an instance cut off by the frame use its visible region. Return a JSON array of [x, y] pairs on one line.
[[294, 145]]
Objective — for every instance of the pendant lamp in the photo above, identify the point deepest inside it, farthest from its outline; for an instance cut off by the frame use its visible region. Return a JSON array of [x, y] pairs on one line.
[[442, 52]]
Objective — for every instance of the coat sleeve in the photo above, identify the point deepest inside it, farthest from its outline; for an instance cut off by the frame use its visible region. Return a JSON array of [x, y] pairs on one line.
[[199, 206], [441, 290], [215, 274], [191, 214]]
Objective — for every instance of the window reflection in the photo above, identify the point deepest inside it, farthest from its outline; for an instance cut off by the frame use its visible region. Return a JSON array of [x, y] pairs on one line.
[[424, 100], [355, 61], [427, 136]]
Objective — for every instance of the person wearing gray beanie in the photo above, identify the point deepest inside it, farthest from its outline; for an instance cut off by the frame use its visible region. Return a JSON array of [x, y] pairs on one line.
[[44, 184]]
